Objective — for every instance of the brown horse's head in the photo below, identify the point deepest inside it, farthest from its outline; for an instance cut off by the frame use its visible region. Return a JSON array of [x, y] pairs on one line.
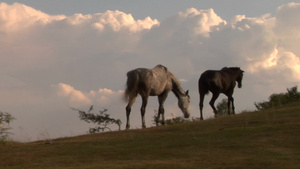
[[240, 77]]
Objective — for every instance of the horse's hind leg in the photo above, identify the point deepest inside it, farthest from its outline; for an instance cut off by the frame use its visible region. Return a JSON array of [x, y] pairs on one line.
[[161, 110], [212, 102], [128, 110], [143, 110], [201, 105]]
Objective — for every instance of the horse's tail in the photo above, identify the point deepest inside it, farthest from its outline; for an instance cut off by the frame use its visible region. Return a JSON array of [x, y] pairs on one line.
[[131, 84], [203, 84]]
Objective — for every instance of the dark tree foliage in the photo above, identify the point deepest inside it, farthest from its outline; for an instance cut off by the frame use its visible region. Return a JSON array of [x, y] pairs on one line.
[[5, 120], [103, 120], [276, 100]]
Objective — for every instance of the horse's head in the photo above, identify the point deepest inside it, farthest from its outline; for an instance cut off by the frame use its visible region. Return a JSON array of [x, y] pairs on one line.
[[240, 77], [183, 104]]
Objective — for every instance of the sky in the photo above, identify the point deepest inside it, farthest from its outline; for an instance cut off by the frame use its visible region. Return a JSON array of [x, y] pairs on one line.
[[56, 55]]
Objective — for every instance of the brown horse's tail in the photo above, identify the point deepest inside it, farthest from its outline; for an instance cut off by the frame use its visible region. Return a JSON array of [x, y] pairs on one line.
[[131, 85], [203, 84]]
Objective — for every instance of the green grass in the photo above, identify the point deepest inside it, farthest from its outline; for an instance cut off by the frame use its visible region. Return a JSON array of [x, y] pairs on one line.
[[267, 139]]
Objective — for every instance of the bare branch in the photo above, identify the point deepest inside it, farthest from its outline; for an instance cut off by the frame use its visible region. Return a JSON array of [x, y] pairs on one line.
[[103, 120]]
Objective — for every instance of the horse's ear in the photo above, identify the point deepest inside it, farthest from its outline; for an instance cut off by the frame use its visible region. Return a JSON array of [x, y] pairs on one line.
[[187, 92]]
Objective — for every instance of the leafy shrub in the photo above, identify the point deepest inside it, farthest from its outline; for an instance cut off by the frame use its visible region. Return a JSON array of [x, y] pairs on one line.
[[276, 100], [5, 120], [222, 107]]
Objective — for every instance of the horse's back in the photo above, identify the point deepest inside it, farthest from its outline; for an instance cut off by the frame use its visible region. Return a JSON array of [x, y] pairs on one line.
[[140, 75], [146, 80], [160, 70], [208, 75], [210, 80]]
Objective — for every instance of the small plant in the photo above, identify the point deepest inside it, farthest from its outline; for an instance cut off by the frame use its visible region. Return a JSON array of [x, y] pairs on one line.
[[102, 120], [170, 121], [5, 120], [177, 120]]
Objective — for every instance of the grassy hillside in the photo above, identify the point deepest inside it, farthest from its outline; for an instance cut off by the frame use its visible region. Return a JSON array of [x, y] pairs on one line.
[[267, 139]]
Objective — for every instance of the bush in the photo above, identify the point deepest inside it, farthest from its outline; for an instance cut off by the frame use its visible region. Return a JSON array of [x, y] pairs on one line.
[[5, 120], [276, 100], [222, 107]]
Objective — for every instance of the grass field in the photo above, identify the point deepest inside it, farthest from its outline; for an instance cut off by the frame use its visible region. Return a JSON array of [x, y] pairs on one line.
[[253, 140]]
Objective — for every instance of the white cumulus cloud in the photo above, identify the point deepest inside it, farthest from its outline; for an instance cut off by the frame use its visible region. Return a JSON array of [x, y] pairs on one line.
[[75, 97], [18, 16]]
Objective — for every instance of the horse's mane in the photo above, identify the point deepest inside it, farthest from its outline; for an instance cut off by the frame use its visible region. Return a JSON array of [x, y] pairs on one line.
[[232, 68], [224, 69], [176, 83]]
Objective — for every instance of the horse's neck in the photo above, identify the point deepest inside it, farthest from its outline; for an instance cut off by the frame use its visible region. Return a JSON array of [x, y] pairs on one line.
[[176, 87], [235, 75], [231, 73]]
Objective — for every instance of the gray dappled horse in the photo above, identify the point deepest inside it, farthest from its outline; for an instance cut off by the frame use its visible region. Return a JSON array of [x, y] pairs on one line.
[[219, 81], [154, 82]]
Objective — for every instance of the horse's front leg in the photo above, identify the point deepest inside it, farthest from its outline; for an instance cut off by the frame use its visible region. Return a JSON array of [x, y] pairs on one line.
[[143, 110], [157, 118], [162, 112], [230, 103], [161, 109], [233, 108]]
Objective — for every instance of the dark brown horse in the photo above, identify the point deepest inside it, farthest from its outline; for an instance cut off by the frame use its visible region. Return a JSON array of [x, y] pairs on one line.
[[158, 81], [219, 81]]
